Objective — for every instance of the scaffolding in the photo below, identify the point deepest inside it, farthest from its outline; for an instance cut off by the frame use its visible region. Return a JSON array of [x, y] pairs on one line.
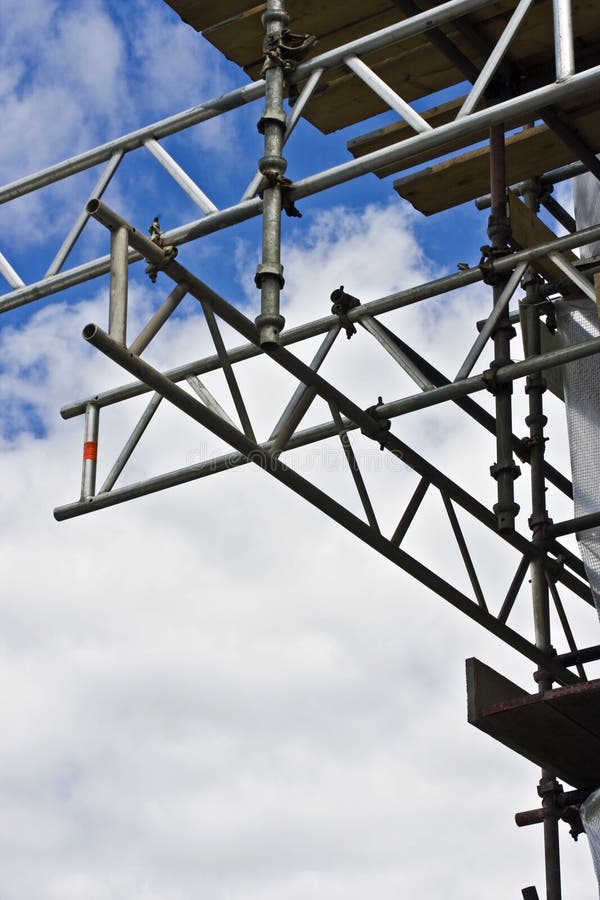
[[532, 71]]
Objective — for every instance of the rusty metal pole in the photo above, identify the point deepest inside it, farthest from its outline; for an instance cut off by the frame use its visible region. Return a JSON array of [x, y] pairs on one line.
[[272, 166], [504, 469], [539, 522]]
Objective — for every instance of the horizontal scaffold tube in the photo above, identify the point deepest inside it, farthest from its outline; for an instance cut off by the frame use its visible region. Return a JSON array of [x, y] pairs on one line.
[[382, 305], [238, 97], [337, 175]]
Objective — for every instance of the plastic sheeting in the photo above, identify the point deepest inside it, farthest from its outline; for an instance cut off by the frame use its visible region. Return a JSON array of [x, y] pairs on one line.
[[577, 321], [590, 816]]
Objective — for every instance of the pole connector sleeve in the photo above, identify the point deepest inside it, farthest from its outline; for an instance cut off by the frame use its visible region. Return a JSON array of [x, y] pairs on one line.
[[271, 117], [511, 467], [269, 269]]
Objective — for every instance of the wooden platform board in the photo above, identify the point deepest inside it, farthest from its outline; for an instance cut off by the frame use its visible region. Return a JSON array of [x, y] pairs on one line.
[[558, 730], [527, 230], [413, 68], [530, 152], [399, 131]]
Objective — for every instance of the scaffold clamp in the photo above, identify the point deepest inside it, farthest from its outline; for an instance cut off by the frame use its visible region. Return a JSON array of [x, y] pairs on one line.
[[342, 303], [383, 425], [152, 269]]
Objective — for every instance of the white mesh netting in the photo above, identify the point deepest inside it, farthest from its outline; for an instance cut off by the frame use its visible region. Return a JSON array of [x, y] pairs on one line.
[[586, 199], [577, 321], [590, 816]]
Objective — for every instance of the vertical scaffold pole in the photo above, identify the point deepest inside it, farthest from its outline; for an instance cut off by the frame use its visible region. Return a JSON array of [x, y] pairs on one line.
[[504, 469], [538, 522], [119, 268], [272, 166], [564, 47], [90, 451]]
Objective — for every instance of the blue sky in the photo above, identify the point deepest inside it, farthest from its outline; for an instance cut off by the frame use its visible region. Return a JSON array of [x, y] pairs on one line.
[[213, 691]]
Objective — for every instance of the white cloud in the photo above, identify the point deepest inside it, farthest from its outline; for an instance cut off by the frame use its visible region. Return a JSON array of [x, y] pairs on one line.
[[75, 74], [215, 691]]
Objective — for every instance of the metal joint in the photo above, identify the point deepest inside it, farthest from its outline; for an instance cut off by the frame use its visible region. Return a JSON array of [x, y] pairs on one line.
[[532, 282], [506, 514], [274, 178], [490, 377], [523, 451], [540, 676], [270, 325], [286, 49], [275, 15], [170, 252], [274, 270], [342, 303], [499, 231], [536, 418], [538, 189], [565, 810], [497, 468], [486, 264], [382, 425], [571, 816], [152, 269], [549, 790], [540, 528], [271, 117], [537, 383]]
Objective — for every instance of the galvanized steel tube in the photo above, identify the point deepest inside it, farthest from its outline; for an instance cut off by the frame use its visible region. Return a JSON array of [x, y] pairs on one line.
[[119, 269], [90, 451], [564, 50], [272, 166], [81, 220], [151, 329]]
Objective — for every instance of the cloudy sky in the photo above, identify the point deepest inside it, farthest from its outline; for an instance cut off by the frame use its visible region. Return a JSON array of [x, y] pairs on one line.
[[214, 691]]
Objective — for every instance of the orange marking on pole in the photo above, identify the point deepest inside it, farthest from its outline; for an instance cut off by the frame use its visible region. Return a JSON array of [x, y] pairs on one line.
[[90, 450]]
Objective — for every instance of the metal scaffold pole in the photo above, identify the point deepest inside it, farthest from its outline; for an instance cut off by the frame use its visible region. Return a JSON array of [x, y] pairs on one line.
[[539, 523], [272, 166], [504, 470]]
